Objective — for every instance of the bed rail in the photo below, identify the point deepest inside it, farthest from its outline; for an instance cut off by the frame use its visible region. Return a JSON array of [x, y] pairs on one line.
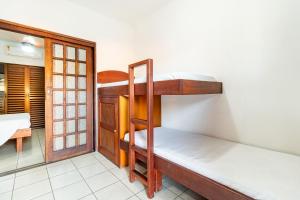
[[149, 181]]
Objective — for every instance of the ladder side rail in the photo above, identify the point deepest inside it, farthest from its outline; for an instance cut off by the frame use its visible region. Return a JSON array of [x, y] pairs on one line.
[[131, 124], [150, 137]]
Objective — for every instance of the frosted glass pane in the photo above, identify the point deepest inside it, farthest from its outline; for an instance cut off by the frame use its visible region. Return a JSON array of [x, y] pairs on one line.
[[82, 54], [82, 138], [58, 112], [82, 110], [58, 51], [70, 67], [70, 141], [58, 81], [58, 128], [58, 97], [70, 82], [81, 96], [82, 69], [70, 112], [70, 126], [58, 66], [82, 124], [81, 83], [71, 53], [58, 143], [70, 97]]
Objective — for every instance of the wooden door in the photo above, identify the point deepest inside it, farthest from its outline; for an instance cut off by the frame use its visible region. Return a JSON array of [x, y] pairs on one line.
[[16, 100], [37, 96], [108, 128], [69, 100]]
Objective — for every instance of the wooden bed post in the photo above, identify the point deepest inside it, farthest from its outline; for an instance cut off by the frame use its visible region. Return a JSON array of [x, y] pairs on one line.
[[150, 180], [19, 144]]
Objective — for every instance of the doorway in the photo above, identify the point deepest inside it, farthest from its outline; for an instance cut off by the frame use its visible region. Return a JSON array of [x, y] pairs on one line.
[[69, 93]]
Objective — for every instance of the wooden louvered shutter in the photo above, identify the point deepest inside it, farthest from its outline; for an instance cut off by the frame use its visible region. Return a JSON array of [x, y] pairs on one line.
[[15, 84], [37, 96]]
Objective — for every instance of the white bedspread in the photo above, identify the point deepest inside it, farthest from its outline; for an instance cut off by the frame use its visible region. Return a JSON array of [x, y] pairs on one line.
[[256, 172], [10, 123], [163, 77]]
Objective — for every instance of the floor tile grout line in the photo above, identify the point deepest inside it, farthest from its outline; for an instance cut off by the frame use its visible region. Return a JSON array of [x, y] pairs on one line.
[[12, 192], [40, 196], [82, 178], [130, 189], [66, 172], [120, 180], [41, 148], [42, 167], [105, 187], [132, 196], [18, 157], [57, 163], [29, 184], [105, 159], [174, 192], [52, 191]]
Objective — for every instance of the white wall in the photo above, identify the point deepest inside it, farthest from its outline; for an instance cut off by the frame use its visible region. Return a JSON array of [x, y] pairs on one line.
[[114, 39], [251, 46], [8, 58]]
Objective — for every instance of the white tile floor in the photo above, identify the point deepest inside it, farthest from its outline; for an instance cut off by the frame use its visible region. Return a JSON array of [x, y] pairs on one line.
[[87, 177], [33, 152]]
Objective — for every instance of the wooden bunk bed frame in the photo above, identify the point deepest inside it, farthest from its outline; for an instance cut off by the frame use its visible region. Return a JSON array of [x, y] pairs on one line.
[[156, 165]]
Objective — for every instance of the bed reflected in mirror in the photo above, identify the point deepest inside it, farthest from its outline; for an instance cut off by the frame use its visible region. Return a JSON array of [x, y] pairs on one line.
[[22, 101]]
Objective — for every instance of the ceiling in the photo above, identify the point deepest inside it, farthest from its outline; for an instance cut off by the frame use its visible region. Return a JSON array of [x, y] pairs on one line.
[[18, 37], [125, 10]]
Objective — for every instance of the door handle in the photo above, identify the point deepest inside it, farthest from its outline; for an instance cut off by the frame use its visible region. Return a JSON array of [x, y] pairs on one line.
[[115, 131]]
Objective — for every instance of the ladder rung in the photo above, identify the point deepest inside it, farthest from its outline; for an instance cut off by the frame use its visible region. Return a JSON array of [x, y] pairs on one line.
[[139, 151], [139, 121], [141, 177]]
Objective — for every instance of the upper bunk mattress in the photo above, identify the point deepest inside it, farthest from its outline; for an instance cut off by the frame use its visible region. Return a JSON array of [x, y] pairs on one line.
[[255, 172], [10, 123], [163, 77]]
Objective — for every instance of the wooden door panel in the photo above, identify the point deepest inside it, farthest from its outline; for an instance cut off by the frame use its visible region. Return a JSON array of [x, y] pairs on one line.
[[37, 96], [108, 140], [15, 83], [69, 100], [108, 128], [108, 114]]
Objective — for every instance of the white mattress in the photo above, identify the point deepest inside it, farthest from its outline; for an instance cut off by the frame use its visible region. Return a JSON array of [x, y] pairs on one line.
[[256, 172], [163, 77], [10, 123]]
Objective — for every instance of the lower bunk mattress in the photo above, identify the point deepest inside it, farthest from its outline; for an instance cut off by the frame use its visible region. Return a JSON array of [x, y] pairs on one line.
[[256, 172]]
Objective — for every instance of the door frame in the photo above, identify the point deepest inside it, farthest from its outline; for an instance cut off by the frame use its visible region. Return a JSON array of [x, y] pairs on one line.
[[29, 30]]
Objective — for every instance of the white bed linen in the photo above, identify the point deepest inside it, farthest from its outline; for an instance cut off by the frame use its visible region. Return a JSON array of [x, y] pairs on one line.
[[10, 123], [163, 77], [256, 172]]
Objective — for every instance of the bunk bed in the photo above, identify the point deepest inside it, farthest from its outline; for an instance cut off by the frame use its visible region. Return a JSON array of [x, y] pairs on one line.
[[117, 83], [216, 169]]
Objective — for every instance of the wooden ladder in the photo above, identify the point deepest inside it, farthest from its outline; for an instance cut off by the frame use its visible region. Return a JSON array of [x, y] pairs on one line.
[[150, 179]]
